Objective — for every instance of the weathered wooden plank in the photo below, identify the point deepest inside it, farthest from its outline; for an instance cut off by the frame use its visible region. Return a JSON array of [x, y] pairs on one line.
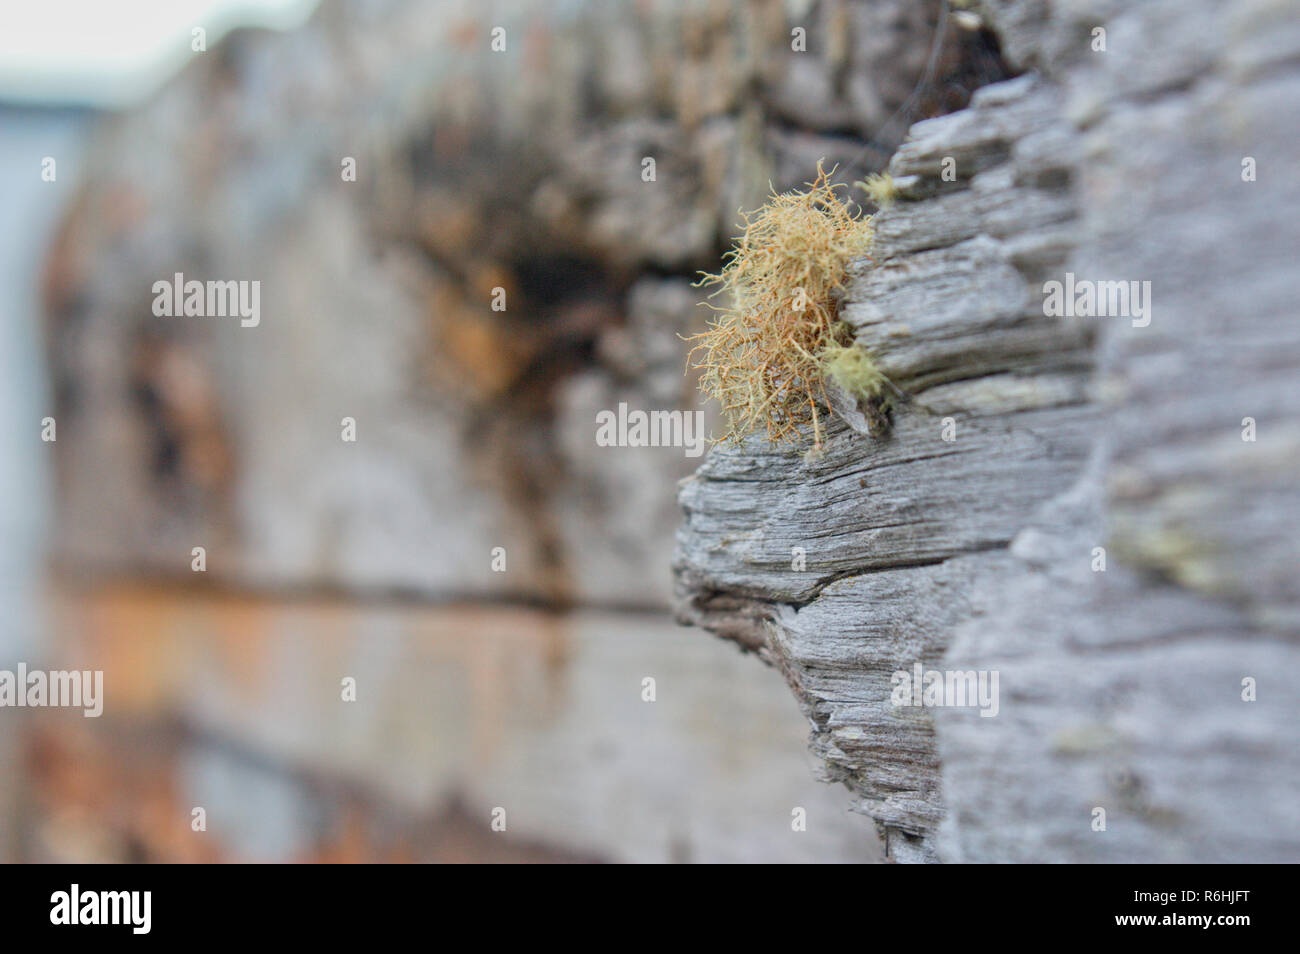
[[1121, 683]]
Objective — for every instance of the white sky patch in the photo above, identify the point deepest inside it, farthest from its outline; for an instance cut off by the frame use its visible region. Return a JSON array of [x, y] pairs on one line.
[[113, 53]]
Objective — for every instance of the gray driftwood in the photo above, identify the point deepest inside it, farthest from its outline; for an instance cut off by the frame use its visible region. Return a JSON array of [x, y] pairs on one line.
[[1120, 689]]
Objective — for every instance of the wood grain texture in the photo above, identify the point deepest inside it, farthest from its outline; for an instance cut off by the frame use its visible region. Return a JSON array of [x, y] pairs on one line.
[[1122, 689]]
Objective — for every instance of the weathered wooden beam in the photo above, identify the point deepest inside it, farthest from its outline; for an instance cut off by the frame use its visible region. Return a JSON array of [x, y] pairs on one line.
[[1034, 450]]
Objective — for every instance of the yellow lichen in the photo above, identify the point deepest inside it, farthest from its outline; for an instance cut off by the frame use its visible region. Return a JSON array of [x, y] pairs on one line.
[[853, 370], [880, 189]]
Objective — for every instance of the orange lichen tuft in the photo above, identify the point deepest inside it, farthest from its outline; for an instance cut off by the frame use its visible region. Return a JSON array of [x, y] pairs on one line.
[[761, 355]]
